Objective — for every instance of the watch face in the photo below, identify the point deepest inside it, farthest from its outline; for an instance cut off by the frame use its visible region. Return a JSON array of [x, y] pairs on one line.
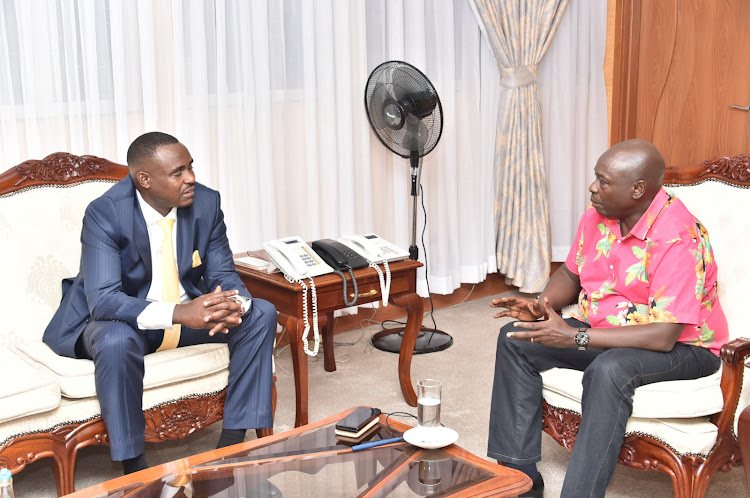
[[582, 337]]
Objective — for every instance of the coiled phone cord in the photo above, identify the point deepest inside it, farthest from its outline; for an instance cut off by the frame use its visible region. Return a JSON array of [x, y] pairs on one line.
[[385, 287], [305, 333], [356, 288]]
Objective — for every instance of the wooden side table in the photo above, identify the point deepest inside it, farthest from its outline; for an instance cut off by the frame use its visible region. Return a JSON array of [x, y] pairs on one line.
[[287, 297]]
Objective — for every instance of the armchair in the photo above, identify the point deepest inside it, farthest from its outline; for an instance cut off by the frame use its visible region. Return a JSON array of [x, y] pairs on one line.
[[686, 429], [48, 404]]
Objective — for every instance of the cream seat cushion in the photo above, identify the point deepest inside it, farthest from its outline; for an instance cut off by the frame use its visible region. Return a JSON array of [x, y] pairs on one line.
[[671, 399], [76, 376], [32, 391], [675, 412], [81, 410]]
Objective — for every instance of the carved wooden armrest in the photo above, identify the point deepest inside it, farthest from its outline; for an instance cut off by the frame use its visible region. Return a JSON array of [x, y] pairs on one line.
[[733, 356], [735, 350]]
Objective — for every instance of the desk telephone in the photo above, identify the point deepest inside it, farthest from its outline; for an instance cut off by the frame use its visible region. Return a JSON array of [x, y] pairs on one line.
[[373, 248], [295, 258], [298, 262], [376, 250], [341, 258]]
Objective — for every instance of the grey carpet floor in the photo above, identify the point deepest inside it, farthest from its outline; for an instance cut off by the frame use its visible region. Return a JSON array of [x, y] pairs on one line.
[[367, 376]]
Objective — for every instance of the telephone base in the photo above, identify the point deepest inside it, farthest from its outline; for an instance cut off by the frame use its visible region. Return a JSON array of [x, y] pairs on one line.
[[428, 340]]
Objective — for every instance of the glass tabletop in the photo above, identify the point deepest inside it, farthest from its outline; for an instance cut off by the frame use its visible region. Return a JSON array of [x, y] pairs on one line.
[[316, 463], [317, 440]]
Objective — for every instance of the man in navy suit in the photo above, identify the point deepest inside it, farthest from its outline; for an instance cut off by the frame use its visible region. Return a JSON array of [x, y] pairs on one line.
[[114, 312]]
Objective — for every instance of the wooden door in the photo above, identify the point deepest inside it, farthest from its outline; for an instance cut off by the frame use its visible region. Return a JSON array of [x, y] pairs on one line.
[[678, 65]]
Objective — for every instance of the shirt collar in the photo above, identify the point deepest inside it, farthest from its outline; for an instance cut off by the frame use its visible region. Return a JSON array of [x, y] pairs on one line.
[[151, 215], [662, 199]]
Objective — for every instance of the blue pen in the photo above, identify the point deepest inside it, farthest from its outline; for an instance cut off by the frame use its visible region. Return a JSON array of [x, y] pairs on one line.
[[364, 446]]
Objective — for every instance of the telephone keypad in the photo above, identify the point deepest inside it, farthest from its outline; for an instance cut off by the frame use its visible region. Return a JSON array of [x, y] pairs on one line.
[[349, 254], [307, 259]]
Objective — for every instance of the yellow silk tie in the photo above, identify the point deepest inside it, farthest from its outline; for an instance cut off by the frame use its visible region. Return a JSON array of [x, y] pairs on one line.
[[170, 282]]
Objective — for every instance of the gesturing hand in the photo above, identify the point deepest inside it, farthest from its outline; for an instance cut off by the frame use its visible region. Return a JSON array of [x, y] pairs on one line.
[[215, 310], [552, 331], [518, 307]]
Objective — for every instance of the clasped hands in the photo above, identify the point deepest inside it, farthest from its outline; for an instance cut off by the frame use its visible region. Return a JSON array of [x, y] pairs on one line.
[[217, 310], [552, 330]]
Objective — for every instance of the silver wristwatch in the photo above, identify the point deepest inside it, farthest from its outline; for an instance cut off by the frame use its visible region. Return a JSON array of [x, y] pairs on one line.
[[582, 339]]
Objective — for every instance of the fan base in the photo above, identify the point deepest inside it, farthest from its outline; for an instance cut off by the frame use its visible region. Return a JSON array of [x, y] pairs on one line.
[[428, 340]]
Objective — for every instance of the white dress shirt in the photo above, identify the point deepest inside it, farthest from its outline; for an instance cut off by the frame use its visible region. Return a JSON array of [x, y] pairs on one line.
[[158, 315]]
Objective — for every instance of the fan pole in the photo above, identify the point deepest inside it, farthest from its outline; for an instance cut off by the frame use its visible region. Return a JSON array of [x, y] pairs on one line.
[[416, 170], [428, 340]]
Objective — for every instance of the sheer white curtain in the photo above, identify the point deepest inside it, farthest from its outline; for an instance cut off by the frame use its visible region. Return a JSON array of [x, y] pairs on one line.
[[268, 97], [574, 126]]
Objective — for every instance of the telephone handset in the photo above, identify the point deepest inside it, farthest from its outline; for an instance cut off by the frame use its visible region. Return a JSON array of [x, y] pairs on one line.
[[298, 261], [342, 259], [376, 250], [373, 248], [295, 258]]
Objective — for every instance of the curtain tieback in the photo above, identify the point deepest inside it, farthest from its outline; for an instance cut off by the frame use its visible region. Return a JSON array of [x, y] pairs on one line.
[[514, 77]]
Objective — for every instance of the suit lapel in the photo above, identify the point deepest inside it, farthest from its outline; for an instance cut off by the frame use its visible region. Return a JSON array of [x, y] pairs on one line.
[[140, 235], [184, 245]]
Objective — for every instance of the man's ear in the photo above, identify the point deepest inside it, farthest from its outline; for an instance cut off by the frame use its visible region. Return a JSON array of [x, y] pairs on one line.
[[143, 179], [639, 188]]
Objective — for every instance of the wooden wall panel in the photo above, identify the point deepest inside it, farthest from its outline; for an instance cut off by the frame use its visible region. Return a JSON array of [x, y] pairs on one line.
[[678, 65]]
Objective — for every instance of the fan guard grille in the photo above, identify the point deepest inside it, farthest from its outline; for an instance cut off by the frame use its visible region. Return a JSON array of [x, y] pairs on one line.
[[404, 109]]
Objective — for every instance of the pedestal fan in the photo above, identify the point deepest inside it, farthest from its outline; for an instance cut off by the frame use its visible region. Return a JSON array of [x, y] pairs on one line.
[[404, 111]]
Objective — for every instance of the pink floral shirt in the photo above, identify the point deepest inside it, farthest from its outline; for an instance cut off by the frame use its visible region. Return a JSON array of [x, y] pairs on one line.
[[662, 271]]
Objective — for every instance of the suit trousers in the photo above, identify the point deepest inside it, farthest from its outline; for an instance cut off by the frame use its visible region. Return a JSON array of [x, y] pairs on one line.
[[610, 378], [118, 352]]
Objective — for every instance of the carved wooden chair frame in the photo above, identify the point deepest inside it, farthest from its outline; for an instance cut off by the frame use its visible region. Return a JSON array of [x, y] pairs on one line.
[[174, 420], [690, 473]]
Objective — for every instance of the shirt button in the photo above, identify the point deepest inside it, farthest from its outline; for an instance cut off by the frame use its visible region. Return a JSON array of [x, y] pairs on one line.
[[619, 241], [611, 267]]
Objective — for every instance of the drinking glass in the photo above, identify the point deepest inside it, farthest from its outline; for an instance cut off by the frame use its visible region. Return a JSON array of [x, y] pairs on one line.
[[428, 402]]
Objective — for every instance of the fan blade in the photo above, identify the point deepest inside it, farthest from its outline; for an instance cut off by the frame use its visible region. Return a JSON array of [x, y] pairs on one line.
[[376, 100], [416, 135], [399, 93]]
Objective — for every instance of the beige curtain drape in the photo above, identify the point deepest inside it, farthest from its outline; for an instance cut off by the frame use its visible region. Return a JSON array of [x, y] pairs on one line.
[[519, 33]]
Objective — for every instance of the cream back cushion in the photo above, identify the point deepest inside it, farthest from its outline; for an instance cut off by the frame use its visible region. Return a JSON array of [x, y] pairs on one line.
[[721, 209], [40, 245]]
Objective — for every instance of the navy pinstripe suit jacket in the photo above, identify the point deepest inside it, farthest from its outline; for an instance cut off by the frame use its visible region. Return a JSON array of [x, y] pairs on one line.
[[115, 272]]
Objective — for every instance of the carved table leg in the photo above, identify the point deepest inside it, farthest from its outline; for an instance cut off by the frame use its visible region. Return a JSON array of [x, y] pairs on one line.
[[326, 330], [296, 328], [414, 307]]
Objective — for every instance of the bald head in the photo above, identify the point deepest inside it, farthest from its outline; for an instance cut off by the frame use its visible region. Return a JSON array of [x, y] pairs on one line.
[[637, 160], [628, 177]]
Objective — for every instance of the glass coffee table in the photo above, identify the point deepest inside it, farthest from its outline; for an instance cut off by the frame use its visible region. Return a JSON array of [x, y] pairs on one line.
[[310, 461]]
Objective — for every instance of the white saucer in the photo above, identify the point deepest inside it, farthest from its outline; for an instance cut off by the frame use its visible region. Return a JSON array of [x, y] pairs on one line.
[[430, 438]]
